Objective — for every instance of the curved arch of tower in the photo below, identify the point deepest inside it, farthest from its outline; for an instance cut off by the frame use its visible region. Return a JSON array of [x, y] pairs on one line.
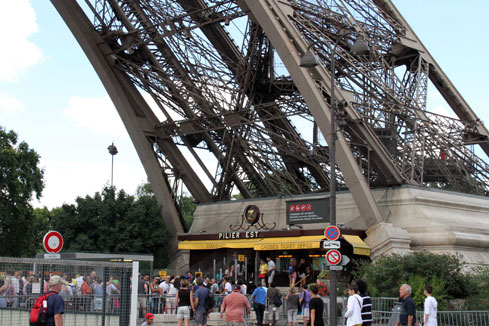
[[215, 101]]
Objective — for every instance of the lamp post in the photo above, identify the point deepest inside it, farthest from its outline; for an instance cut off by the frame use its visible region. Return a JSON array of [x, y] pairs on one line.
[[309, 60], [112, 151]]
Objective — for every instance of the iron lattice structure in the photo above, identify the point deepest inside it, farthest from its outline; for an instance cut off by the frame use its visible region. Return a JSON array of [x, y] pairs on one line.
[[212, 94]]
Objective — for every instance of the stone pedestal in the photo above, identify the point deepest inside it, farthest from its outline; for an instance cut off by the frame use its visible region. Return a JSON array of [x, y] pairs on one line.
[[180, 262], [385, 238]]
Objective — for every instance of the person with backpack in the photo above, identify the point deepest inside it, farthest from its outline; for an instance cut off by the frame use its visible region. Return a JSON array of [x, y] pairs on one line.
[[259, 299], [274, 301], [55, 303], [354, 307], [200, 309], [292, 269]]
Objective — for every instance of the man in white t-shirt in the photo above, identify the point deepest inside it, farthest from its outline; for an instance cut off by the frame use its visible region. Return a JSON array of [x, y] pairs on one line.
[[271, 270], [165, 285], [228, 288], [430, 307]]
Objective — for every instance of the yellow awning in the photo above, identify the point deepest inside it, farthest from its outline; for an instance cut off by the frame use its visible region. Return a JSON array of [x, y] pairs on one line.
[[359, 247], [217, 244], [290, 243]]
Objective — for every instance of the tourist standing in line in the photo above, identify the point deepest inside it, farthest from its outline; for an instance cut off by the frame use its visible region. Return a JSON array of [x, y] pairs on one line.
[[316, 307], [407, 316], [430, 307], [199, 305], [184, 302], [262, 275], [271, 270], [259, 298], [292, 269], [366, 303], [292, 306], [354, 307]]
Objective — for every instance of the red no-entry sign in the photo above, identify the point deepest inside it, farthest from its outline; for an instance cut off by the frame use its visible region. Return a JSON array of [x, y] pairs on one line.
[[332, 233], [53, 242], [333, 257]]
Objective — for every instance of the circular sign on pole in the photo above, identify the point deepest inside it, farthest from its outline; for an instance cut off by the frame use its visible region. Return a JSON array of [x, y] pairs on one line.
[[332, 233], [52, 242], [333, 257]]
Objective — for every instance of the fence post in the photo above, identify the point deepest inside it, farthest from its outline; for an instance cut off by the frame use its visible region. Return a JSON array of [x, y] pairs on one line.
[[125, 296], [134, 293], [104, 295]]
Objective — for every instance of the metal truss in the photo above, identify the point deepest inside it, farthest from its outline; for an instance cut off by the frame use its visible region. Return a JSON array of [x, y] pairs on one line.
[[224, 107]]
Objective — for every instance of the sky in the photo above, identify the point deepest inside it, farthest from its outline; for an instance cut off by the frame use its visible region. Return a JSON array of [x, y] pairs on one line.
[[51, 96]]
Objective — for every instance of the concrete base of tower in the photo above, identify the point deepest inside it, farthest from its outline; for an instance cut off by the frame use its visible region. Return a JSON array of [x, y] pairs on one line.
[[414, 219]]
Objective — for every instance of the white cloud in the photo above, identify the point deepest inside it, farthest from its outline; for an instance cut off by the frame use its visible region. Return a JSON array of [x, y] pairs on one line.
[[66, 180], [18, 22], [97, 114], [10, 104]]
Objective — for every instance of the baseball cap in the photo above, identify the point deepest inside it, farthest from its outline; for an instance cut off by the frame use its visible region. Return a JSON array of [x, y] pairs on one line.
[[56, 279], [150, 316]]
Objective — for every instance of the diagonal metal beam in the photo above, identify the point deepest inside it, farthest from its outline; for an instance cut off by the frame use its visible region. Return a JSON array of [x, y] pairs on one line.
[[289, 45]]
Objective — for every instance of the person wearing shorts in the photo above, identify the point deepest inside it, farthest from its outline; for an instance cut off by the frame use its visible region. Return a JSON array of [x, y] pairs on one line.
[[304, 300], [185, 303], [199, 303], [292, 306]]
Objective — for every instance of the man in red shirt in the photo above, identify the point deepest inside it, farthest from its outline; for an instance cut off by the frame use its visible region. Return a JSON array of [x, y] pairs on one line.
[[86, 291], [234, 305]]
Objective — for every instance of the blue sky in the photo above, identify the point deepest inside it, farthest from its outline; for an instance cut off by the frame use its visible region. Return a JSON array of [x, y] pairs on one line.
[[51, 96]]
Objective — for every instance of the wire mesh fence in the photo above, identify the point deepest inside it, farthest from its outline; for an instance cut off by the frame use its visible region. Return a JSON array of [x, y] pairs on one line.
[[96, 293]]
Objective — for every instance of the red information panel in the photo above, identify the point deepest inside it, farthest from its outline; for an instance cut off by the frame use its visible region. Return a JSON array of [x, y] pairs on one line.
[[333, 257], [332, 233], [53, 242]]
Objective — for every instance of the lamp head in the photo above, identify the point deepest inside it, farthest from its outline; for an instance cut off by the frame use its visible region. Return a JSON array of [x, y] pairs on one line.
[[360, 47], [309, 60]]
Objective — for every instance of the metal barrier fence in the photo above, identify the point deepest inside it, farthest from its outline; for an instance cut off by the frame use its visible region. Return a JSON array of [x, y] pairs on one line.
[[22, 280], [444, 318]]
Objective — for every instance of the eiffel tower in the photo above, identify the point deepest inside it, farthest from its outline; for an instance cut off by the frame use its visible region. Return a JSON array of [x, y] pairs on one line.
[[216, 102]]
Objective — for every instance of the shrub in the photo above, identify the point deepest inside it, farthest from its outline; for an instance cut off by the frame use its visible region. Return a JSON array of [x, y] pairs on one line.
[[385, 275], [439, 290], [478, 284]]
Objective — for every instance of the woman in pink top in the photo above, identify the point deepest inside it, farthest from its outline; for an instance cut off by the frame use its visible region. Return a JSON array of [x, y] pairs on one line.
[[234, 305]]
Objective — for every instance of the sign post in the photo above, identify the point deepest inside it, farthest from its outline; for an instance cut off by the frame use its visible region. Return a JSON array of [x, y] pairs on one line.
[[52, 243], [333, 257]]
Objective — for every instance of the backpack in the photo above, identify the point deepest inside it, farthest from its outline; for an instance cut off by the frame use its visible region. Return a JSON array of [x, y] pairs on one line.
[[277, 300], [209, 301], [39, 313]]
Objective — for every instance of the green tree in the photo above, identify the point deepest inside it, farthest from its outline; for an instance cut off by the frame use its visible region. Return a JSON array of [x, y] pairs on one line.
[[20, 179], [114, 222]]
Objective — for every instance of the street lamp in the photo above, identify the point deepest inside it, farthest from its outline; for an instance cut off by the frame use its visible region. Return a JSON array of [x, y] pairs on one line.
[[112, 151], [359, 47]]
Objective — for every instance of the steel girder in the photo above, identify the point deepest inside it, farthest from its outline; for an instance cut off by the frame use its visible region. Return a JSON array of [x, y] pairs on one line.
[[234, 112]]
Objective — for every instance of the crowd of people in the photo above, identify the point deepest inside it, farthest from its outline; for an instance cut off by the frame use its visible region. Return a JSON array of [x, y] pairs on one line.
[[18, 290], [187, 296]]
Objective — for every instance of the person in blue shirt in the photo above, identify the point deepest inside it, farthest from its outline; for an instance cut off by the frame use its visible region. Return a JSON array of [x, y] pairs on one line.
[[56, 304], [259, 298], [199, 303]]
